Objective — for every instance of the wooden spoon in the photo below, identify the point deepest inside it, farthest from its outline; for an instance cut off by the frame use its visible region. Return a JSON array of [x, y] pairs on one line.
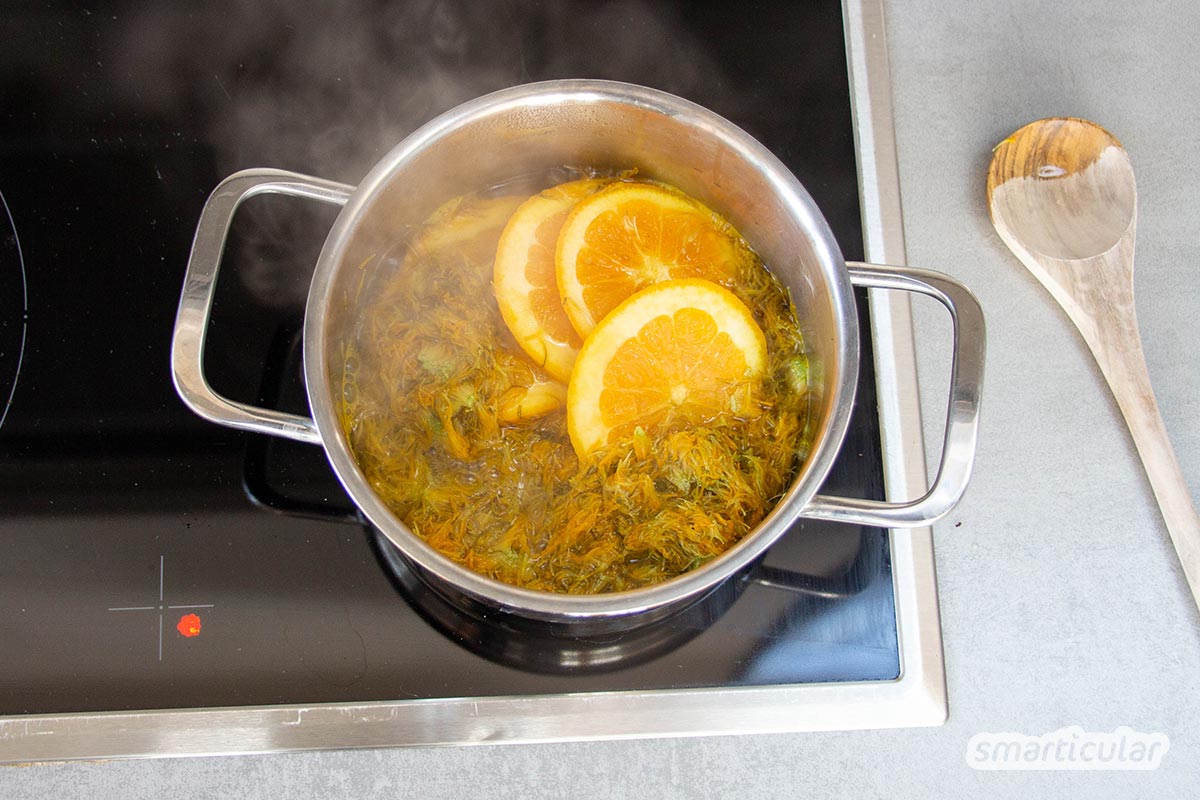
[[1062, 197]]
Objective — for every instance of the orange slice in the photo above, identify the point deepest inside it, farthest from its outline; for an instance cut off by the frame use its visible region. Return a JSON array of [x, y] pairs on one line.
[[681, 350], [631, 235], [525, 281]]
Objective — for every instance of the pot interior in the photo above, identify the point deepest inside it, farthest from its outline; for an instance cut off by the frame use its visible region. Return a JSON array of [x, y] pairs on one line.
[[531, 131]]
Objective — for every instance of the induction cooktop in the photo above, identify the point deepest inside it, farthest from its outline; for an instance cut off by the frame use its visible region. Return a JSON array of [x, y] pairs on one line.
[[168, 586]]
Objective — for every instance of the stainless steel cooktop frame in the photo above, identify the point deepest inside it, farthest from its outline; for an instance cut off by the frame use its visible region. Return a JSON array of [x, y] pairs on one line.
[[916, 698]]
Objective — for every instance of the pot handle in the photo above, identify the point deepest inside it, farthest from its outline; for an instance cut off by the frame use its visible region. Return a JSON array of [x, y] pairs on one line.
[[195, 304], [962, 416]]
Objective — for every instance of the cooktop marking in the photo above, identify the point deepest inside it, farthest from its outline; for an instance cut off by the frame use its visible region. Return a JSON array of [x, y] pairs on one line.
[[24, 309], [161, 607]]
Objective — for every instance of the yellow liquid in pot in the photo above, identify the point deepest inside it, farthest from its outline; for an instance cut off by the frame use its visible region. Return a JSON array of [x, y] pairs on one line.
[[465, 439]]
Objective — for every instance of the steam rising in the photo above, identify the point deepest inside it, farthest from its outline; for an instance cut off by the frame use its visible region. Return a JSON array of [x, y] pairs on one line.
[[327, 88]]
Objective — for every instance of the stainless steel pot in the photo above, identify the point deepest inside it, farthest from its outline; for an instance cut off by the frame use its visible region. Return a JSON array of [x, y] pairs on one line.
[[600, 124]]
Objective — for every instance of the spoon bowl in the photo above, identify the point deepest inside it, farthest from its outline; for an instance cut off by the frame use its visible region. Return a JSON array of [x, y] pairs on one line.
[[1062, 196], [1065, 187]]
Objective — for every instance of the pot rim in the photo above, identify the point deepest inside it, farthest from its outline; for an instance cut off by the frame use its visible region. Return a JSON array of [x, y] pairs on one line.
[[550, 605]]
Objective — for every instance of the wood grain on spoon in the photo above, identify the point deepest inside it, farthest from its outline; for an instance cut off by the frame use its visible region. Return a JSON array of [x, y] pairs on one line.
[[1062, 196]]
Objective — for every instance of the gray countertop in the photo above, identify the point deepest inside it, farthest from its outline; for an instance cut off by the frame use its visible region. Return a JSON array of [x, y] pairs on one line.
[[1062, 601]]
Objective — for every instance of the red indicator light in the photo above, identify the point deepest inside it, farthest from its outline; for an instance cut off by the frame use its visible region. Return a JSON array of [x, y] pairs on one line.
[[189, 625]]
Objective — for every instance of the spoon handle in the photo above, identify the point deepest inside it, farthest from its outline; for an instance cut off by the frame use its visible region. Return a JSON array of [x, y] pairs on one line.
[[1111, 331]]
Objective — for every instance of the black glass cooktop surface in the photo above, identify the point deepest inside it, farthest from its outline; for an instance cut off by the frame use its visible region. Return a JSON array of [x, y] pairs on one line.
[[149, 559]]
